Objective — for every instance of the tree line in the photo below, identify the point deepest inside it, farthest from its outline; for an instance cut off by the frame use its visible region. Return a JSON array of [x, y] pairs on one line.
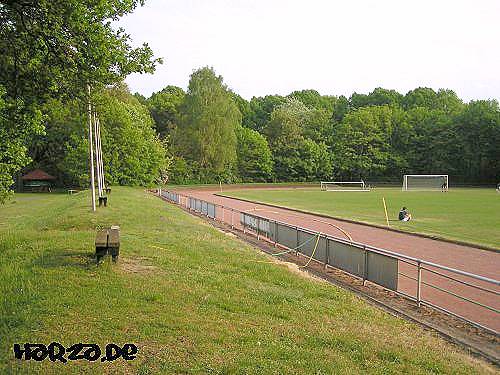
[[216, 135], [209, 134]]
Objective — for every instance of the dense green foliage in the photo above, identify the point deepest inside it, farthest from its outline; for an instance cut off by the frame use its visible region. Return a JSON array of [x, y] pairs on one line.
[[376, 137], [164, 107], [206, 132], [12, 135], [366, 142], [296, 157], [255, 161], [54, 49], [132, 152]]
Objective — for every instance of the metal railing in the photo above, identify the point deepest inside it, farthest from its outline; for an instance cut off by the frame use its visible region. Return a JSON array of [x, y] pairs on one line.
[[467, 296]]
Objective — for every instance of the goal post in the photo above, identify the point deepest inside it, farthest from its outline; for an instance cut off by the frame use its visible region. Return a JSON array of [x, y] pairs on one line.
[[344, 186], [436, 182]]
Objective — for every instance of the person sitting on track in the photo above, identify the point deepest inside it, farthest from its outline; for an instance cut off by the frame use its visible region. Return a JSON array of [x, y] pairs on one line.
[[404, 215]]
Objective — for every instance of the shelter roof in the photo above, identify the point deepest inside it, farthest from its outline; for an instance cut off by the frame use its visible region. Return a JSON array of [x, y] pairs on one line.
[[38, 174]]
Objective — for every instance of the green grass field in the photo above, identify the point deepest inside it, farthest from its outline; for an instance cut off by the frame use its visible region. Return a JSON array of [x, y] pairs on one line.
[[193, 299], [470, 215]]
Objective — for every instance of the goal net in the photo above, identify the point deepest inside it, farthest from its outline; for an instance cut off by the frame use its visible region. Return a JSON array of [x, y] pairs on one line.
[[344, 186], [425, 182]]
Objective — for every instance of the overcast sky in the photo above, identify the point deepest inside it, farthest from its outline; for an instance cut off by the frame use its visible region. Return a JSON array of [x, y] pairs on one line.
[[264, 47]]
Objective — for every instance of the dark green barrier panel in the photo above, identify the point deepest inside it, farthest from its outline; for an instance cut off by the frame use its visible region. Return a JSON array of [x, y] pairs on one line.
[[272, 230], [286, 236], [383, 270], [347, 257], [308, 242]]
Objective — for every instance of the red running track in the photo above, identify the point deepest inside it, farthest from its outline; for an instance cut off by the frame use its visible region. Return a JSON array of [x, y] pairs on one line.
[[466, 258]]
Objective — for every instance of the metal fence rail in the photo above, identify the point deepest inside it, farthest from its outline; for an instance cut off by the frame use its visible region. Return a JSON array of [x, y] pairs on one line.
[[470, 297]]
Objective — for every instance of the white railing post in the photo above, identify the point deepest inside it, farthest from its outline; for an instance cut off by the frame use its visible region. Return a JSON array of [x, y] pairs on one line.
[[297, 242], [419, 283], [327, 252], [365, 271]]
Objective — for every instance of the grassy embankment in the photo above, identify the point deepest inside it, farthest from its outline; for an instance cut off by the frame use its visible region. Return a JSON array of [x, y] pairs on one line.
[[193, 299], [469, 215]]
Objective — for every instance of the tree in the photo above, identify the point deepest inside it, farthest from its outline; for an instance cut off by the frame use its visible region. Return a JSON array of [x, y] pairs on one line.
[[362, 145], [244, 108], [443, 100], [132, 153], [304, 160], [449, 102], [62, 122], [53, 49], [340, 109], [255, 162], [296, 158], [207, 128], [477, 150], [164, 107], [380, 96], [141, 98], [12, 146], [430, 151], [318, 127], [261, 109], [420, 97], [358, 100], [286, 122], [401, 142], [377, 97], [312, 99]]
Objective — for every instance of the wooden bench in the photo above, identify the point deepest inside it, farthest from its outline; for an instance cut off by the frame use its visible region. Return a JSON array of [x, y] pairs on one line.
[[72, 191], [107, 241]]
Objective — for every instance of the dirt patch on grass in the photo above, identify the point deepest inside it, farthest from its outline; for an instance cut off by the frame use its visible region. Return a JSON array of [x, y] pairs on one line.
[[138, 265], [229, 234], [295, 268]]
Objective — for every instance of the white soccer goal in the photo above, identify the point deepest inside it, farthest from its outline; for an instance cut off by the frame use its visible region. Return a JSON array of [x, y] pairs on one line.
[[437, 182], [344, 186]]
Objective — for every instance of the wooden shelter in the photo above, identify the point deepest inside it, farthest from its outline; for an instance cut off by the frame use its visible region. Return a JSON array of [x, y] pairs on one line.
[[37, 181]]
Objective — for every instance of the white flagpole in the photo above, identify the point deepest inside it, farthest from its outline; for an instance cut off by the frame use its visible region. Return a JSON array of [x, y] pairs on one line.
[[100, 156], [98, 170], [91, 151], [103, 185]]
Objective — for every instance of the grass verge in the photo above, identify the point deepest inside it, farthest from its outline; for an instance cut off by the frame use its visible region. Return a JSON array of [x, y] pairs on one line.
[[193, 299]]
